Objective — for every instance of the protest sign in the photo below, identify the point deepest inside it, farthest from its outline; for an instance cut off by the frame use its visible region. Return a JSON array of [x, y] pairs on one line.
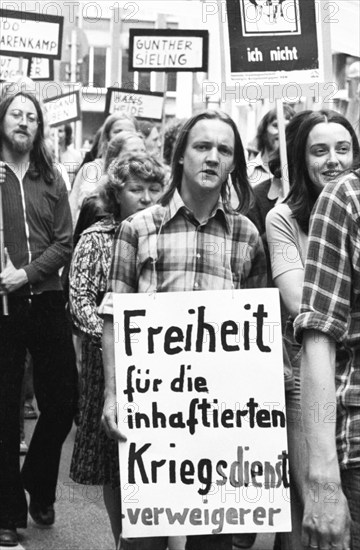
[[10, 68], [63, 108], [41, 68], [277, 41], [168, 50], [27, 34], [200, 396], [140, 104]]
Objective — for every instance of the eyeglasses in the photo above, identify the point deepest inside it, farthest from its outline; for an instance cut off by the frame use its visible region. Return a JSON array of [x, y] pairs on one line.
[[30, 117]]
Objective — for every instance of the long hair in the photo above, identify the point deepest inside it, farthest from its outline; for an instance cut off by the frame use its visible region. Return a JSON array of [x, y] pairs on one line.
[[41, 164], [238, 176], [291, 131], [68, 134], [116, 145], [267, 119], [106, 128], [143, 167], [303, 193]]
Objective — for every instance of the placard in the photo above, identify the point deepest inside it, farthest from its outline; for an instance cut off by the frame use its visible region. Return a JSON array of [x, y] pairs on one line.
[[27, 34], [10, 68], [139, 104], [41, 68], [63, 108], [168, 50], [277, 41], [200, 396]]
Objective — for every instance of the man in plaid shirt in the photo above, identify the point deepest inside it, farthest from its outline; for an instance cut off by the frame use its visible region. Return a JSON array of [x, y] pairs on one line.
[[191, 241], [329, 325]]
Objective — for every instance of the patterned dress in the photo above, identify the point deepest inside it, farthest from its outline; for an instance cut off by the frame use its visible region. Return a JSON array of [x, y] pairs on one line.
[[95, 456]]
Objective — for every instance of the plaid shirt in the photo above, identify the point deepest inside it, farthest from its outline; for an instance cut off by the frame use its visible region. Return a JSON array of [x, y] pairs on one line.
[[331, 300], [165, 248]]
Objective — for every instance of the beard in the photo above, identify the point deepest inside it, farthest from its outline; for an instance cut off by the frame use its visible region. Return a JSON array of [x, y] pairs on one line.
[[19, 143]]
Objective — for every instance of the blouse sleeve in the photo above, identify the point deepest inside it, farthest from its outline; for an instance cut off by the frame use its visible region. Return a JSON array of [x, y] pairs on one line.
[[285, 254], [87, 282]]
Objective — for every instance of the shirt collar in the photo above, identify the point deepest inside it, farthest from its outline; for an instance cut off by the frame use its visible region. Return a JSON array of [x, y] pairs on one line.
[[176, 204]]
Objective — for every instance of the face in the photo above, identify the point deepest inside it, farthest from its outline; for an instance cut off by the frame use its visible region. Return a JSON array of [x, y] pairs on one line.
[[20, 125], [272, 135], [328, 153], [137, 195], [133, 146], [153, 142], [61, 134], [208, 158], [121, 125]]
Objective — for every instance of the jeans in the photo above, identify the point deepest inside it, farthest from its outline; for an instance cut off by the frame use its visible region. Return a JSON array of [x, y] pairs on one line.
[[37, 323], [350, 481]]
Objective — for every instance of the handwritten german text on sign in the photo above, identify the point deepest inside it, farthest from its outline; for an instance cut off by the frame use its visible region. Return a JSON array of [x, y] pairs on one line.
[[62, 108], [41, 68], [140, 104], [26, 34], [10, 67], [274, 41], [201, 400], [168, 50]]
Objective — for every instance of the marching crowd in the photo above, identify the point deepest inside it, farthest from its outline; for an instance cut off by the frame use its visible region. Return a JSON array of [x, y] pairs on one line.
[[66, 224]]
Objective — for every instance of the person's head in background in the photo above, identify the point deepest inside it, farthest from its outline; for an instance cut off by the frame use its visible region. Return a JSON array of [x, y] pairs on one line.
[[202, 124], [325, 148], [64, 135], [134, 183], [124, 143], [113, 125], [171, 133], [152, 137], [267, 134], [290, 135]]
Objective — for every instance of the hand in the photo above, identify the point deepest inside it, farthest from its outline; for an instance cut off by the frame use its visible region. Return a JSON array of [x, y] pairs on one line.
[[109, 419], [11, 278], [326, 521], [2, 172]]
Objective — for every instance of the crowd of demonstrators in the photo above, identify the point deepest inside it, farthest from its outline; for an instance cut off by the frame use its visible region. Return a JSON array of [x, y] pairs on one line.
[[38, 241], [124, 186], [88, 177], [133, 184], [207, 152]]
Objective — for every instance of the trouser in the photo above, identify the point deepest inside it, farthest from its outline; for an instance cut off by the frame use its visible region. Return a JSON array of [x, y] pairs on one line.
[[38, 324], [350, 481]]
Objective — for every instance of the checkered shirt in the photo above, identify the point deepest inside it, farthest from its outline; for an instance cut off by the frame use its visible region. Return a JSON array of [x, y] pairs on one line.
[[331, 300], [165, 248]]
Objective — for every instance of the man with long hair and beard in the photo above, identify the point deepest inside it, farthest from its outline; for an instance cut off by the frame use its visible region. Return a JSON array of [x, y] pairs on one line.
[[38, 242]]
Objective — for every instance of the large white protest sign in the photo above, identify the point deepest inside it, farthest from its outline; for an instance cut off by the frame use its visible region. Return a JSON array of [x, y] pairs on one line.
[[140, 104], [27, 34], [168, 50], [62, 108], [200, 397]]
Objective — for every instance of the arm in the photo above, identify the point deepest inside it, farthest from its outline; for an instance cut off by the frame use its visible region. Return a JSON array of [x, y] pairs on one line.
[[109, 416], [326, 514], [290, 287], [86, 282]]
